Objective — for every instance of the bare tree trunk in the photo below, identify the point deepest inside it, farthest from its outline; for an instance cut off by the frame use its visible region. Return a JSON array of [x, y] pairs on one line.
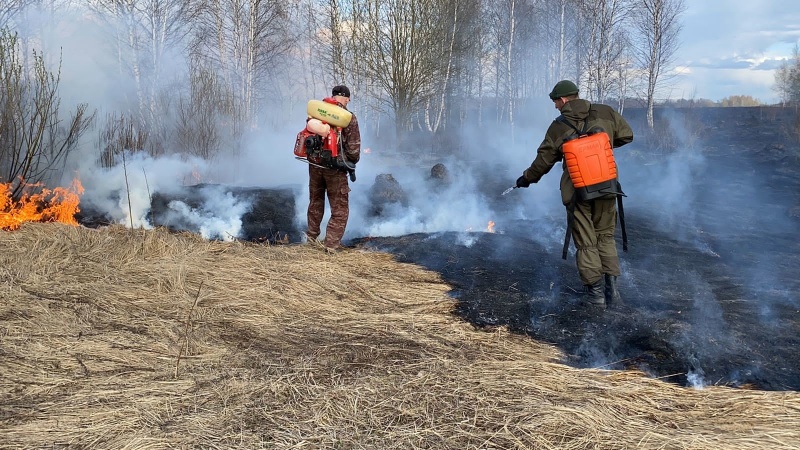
[[338, 67], [657, 24], [561, 40], [509, 88], [435, 126], [400, 58], [606, 18]]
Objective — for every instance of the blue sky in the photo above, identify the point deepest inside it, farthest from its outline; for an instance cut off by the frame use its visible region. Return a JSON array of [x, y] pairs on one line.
[[732, 47]]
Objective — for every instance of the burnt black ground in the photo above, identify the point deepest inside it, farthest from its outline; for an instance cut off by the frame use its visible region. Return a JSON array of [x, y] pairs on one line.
[[711, 294]]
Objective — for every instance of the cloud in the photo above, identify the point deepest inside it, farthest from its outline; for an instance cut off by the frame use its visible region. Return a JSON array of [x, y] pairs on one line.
[[738, 62], [770, 64], [743, 27], [752, 38], [723, 63]]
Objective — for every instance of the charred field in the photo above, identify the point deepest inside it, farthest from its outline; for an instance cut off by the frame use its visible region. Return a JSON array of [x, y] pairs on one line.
[[710, 287]]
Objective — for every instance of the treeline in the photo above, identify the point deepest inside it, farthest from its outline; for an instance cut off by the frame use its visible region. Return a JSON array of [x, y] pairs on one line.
[[732, 101], [195, 77]]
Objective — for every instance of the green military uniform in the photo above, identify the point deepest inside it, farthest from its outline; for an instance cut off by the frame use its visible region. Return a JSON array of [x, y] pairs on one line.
[[595, 220]]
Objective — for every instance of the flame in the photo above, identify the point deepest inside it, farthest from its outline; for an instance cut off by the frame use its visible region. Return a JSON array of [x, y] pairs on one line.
[[197, 177], [490, 227], [367, 150], [56, 205]]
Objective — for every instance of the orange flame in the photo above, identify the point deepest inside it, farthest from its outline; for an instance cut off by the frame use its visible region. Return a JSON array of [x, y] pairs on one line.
[[490, 227], [56, 205], [197, 177]]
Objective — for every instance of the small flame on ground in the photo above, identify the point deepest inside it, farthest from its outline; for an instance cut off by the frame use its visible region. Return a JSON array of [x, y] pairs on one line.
[[197, 177], [367, 150], [50, 205], [489, 227]]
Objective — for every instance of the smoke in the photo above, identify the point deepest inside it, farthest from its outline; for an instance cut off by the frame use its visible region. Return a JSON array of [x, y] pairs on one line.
[[208, 218], [661, 187], [123, 193], [431, 207], [680, 193], [482, 165]]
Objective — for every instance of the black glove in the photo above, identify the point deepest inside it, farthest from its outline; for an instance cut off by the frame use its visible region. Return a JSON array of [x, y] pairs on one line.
[[522, 182]]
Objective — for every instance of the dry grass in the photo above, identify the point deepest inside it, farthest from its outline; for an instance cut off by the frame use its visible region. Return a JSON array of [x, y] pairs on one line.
[[139, 340]]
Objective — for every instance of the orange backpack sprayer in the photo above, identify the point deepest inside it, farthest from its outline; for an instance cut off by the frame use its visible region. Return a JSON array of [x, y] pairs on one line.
[[319, 143], [590, 162]]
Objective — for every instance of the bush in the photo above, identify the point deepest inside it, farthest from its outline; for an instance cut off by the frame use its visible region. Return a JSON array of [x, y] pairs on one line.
[[34, 142]]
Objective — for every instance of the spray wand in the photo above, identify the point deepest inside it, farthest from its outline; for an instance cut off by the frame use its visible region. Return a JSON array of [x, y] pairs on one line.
[[509, 190]]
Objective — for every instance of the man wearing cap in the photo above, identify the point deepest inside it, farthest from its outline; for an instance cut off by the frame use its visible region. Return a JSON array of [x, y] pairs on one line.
[[334, 182], [595, 220]]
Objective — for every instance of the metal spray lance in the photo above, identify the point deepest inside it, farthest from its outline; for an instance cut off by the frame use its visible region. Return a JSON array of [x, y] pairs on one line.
[[509, 190]]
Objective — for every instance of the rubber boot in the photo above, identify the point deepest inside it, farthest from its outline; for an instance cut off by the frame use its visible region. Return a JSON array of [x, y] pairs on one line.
[[594, 294], [611, 293]]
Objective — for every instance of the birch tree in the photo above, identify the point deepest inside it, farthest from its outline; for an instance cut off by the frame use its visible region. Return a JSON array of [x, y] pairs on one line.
[[658, 27], [501, 22], [558, 66], [512, 22], [402, 58], [337, 30], [458, 27], [787, 79], [605, 35], [334, 46], [244, 41], [149, 38]]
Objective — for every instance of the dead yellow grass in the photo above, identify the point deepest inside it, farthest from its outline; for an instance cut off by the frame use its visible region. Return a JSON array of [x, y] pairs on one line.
[[145, 340]]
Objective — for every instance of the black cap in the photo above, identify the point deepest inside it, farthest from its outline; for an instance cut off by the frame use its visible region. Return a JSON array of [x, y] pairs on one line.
[[341, 90]]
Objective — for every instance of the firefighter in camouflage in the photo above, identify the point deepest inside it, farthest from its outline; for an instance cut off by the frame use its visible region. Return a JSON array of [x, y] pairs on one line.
[[333, 182], [595, 220]]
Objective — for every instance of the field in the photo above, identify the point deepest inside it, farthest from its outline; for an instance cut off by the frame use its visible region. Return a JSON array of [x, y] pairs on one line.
[[147, 339], [144, 340]]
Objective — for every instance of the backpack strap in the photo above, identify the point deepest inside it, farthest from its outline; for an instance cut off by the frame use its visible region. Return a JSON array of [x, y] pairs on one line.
[[564, 120], [622, 219], [570, 224], [580, 132]]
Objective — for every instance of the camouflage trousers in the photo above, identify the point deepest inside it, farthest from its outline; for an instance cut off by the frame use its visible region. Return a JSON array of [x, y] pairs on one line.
[[593, 234], [334, 183]]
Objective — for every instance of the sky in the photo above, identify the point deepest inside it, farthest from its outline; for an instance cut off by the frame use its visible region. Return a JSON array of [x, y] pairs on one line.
[[732, 47]]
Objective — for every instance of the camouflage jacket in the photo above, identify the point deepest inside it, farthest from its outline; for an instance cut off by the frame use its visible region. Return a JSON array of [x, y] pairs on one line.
[[351, 139], [577, 112]]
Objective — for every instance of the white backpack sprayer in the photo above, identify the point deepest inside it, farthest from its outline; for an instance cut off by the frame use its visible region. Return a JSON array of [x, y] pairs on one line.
[[320, 142]]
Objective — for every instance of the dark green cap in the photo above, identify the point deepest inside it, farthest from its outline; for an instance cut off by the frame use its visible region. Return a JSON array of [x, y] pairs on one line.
[[563, 88]]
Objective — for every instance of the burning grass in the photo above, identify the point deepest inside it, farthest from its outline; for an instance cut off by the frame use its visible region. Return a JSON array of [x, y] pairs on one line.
[[130, 339], [42, 205]]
